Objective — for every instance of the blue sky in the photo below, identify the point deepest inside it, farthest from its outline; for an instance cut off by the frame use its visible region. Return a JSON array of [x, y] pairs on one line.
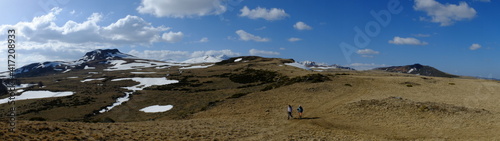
[[458, 37]]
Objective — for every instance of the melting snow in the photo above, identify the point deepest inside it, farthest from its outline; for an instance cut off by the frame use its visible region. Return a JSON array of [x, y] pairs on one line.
[[295, 64], [73, 77], [123, 65], [142, 72], [66, 71], [157, 108], [37, 95], [88, 68], [92, 79], [196, 67], [239, 59], [144, 82]]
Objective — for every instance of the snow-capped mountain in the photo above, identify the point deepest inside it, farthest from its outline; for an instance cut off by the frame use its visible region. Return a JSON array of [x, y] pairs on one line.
[[417, 69], [91, 58], [104, 54], [312, 64], [206, 59]]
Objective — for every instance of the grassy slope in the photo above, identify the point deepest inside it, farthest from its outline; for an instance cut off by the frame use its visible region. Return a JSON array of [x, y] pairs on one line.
[[334, 110]]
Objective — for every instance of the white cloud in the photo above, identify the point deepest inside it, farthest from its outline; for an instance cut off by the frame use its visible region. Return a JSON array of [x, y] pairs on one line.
[[262, 52], [133, 29], [268, 14], [72, 12], [67, 41], [302, 26], [261, 28], [445, 14], [160, 54], [365, 66], [367, 51], [204, 40], [422, 35], [245, 36], [475, 46], [214, 53], [172, 37], [406, 41], [181, 8], [293, 39]]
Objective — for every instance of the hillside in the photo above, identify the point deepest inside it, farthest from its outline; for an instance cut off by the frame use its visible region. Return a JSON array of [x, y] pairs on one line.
[[417, 69], [245, 98]]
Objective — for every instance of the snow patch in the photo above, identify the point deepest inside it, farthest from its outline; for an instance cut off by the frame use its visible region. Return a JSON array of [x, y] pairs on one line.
[[138, 64], [143, 83], [88, 68], [295, 64], [142, 72], [37, 95], [239, 59], [196, 67], [92, 79], [157, 108], [66, 71]]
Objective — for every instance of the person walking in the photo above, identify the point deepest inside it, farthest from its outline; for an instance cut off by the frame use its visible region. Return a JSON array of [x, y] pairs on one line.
[[290, 112], [300, 110]]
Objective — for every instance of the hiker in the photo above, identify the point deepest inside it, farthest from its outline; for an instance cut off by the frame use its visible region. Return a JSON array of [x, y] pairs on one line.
[[290, 111], [300, 110]]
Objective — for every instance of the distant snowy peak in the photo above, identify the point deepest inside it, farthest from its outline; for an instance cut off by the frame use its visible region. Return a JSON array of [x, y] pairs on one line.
[[88, 61], [207, 59], [104, 54], [311, 64]]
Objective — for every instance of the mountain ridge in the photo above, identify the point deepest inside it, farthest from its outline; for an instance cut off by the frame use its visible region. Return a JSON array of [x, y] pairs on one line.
[[417, 69]]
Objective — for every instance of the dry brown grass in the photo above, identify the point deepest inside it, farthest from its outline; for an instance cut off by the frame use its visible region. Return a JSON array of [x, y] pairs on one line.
[[432, 109]]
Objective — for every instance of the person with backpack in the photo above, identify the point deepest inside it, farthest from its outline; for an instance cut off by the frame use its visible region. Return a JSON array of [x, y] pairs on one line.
[[300, 110], [290, 112]]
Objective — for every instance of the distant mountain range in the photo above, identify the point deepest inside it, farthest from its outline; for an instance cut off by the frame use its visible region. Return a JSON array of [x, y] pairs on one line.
[[207, 59], [101, 57], [417, 69], [312, 64], [92, 58]]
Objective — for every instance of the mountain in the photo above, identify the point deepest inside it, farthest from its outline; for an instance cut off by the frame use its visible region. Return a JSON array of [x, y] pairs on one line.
[[104, 54], [312, 64], [92, 58], [206, 59], [417, 69]]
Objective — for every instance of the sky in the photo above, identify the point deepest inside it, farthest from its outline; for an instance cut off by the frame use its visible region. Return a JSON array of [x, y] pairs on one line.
[[458, 37]]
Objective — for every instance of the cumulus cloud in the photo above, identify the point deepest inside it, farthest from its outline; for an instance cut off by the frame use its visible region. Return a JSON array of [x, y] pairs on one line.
[[293, 39], [181, 8], [214, 53], [302, 26], [268, 14], [422, 35], [445, 14], [262, 52], [203, 40], [172, 37], [160, 54], [245, 36], [406, 41], [475, 46], [365, 66], [65, 41], [367, 51]]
